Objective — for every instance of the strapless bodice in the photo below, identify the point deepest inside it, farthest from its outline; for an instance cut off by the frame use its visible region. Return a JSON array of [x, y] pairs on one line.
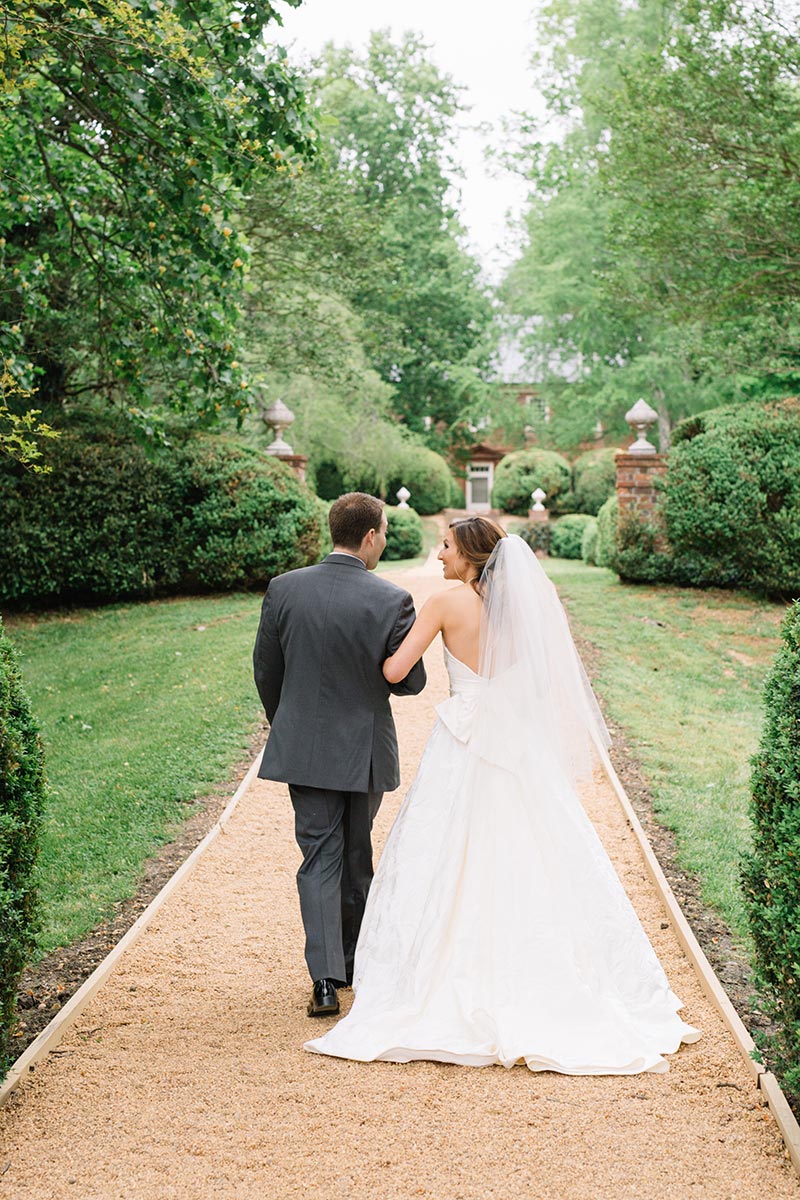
[[462, 678], [458, 711]]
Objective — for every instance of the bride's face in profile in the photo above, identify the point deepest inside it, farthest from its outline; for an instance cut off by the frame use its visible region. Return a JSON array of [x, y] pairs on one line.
[[453, 561]]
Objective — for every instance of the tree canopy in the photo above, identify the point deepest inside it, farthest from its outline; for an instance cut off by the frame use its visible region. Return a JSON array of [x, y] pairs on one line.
[[661, 256], [129, 132]]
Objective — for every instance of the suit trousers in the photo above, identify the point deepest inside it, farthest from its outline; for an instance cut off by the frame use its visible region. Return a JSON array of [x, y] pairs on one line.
[[334, 832]]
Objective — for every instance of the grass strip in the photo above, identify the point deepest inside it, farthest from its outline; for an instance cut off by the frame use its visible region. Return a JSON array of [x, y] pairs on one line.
[[143, 709], [681, 671]]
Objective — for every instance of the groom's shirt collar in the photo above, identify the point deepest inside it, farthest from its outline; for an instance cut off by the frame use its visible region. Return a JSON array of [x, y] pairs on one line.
[[346, 554]]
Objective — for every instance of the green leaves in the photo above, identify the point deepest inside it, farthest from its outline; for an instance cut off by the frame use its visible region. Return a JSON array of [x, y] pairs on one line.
[[129, 131], [662, 255]]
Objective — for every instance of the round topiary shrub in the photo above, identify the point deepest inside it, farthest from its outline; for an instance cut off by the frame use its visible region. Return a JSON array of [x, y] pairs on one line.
[[770, 873], [404, 534], [22, 794], [567, 537], [606, 547], [594, 478], [246, 517], [589, 545], [329, 481], [427, 477], [537, 534], [732, 497], [520, 473], [115, 519]]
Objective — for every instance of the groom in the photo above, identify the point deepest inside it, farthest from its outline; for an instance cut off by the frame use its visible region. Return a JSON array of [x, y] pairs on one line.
[[325, 631]]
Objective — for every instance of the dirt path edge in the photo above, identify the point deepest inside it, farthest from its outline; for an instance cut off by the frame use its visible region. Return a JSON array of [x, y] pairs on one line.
[[711, 985], [52, 1033]]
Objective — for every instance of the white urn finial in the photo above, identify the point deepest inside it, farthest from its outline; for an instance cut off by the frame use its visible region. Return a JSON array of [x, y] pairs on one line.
[[403, 495], [640, 418], [538, 497], [279, 417]]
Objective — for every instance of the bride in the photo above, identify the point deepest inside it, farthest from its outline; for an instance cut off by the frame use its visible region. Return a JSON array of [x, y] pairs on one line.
[[496, 929]]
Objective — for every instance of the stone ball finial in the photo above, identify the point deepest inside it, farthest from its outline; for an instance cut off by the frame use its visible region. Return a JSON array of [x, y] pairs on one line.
[[640, 418]]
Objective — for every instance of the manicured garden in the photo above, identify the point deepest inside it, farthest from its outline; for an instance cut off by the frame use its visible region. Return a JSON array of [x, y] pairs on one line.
[[152, 704]]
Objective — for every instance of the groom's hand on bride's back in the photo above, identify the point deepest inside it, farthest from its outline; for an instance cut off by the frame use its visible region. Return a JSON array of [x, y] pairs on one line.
[[416, 678]]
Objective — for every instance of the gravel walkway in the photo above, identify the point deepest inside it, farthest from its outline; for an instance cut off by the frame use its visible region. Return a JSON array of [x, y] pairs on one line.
[[185, 1077]]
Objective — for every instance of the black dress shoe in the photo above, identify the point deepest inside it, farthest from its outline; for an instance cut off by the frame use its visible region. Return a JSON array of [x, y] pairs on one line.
[[324, 1001]]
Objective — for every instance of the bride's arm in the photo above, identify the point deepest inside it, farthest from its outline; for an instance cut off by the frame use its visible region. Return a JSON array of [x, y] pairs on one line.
[[416, 642]]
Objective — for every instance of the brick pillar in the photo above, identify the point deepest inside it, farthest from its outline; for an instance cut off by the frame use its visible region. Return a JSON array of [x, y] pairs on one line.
[[298, 463], [636, 479]]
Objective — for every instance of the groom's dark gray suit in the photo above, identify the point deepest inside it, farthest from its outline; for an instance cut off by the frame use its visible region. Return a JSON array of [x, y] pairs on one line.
[[324, 633]]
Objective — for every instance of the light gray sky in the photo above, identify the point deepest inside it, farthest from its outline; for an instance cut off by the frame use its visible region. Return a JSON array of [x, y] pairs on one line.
[[488, 55]]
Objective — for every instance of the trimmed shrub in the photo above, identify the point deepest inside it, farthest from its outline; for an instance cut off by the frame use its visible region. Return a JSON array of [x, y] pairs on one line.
[[427, 477], [22, 793], [770, 875], [732, 498], [594, 477], [589, 545], [113, 520], [606, 547], [458, 498], [245, 517], [567, 537], [404, 534], [520, 473], [329, 481], [101, 524], [537, 534]]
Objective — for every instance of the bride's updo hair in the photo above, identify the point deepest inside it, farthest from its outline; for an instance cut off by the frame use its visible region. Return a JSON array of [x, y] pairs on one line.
[[475, 539]]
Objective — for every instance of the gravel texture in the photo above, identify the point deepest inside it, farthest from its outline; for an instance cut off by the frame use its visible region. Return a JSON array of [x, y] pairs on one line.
[[185, 1076]]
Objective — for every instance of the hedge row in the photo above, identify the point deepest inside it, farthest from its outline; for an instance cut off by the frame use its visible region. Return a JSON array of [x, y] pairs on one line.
[[22, 791], [771, 876], [581, 488], [115, 519], [729, 515], [425, 474], [404, 534]]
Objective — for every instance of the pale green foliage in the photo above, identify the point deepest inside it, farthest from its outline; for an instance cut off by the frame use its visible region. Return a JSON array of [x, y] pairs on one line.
[[661, 256], [20, 432]]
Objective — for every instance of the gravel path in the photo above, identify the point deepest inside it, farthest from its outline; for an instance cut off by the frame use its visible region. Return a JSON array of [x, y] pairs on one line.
[[185, 1077]]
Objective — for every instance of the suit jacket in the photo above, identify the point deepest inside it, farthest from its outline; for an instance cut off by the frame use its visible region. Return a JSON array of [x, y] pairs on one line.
[[324, 633]]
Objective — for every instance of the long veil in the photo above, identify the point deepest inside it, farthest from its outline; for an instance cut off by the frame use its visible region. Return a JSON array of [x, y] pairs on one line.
[[537, 691]]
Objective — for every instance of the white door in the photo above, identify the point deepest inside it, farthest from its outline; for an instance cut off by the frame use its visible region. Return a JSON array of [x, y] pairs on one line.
[[480, 477]]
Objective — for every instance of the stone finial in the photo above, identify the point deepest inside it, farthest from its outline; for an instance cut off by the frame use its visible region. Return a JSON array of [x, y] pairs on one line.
[[279, 417], [538, 497], [640, 418], [404, 495]]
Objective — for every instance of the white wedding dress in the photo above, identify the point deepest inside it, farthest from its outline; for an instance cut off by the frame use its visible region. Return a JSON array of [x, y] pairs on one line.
[[496, 929]]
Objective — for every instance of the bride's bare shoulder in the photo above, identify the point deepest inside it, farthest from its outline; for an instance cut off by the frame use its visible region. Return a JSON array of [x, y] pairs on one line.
[[455, 599]]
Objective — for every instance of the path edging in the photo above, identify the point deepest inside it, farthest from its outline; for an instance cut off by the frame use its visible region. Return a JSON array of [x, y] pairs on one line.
[[765, 1080], [52, 1034]]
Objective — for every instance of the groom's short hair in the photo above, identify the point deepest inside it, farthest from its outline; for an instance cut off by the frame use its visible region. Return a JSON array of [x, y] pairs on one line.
[[352, 516]]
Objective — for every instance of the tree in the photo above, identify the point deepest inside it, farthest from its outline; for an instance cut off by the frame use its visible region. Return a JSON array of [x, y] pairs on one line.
[[426, 315], [661, 257], [707, 140], [129, 134]]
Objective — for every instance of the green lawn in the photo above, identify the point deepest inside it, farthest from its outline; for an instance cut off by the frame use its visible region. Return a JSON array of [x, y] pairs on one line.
[[143, 708], [681, 671]]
